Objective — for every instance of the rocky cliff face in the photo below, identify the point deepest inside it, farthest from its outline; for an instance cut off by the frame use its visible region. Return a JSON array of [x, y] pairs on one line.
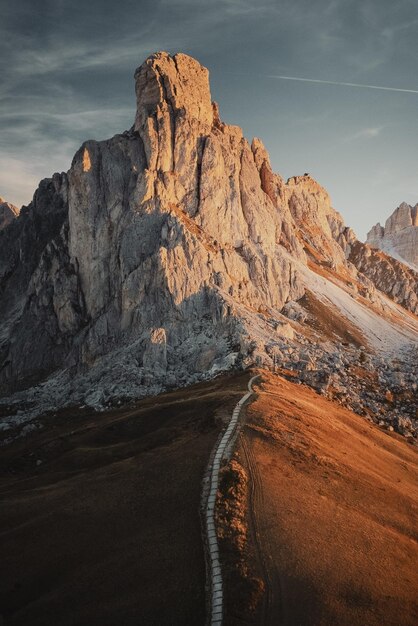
[[168, 253], [8, 212], [33, 262], [392, 277], [158, 228], [399, 236]]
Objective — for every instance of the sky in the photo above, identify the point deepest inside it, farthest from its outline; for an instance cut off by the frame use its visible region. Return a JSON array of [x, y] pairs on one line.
[[67, 75]]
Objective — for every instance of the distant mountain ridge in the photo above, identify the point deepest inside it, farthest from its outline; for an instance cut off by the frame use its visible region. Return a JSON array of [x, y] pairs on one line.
[[399, 236], [8, 212]]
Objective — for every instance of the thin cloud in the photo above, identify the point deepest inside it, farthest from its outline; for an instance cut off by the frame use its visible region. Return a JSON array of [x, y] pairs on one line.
[[365, 133], [88, 120], [72, 57], [389, 32], [342, 84]]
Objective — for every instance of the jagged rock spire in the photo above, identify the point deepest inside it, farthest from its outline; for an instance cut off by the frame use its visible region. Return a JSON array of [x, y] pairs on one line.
[[399, 236], [168, 87], [178, 81]]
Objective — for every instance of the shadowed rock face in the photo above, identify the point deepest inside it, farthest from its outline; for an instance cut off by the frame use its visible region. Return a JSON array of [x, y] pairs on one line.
[[158, 255], [399, 236], [164, 226], [39, 294]]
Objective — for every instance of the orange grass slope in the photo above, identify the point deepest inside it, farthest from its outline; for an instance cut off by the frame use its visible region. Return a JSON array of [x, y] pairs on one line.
[[337, 519]]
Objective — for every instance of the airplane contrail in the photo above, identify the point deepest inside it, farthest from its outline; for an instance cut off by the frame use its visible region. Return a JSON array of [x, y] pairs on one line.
[[332, 82]]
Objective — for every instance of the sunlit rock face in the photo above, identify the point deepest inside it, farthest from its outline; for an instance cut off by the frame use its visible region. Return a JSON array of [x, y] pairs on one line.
[[8, 212], [399, 236], [165, 226], [394, 278], [164, 253]]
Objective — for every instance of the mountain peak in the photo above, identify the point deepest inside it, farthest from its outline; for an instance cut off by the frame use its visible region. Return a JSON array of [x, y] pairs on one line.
[[399, 236], [8, 212], [178, 82], [169, 253], [402, 217]]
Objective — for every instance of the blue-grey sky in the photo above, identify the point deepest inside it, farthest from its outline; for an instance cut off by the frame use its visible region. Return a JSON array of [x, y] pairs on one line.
[[67, 75]]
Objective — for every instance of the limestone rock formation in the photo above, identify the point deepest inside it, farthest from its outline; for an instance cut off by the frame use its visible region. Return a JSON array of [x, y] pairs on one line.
[[329, 242], [319, 225], [157, 228], [399, 236], [397, 280], [8, 212], [168, 253]]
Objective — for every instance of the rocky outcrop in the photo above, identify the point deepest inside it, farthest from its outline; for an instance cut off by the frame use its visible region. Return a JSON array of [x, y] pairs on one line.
[[8, 212], [390, 276], [164, 254], [319, 225], [163, 227], [331, 244], [403, 217], [36, 286], [399, 236]]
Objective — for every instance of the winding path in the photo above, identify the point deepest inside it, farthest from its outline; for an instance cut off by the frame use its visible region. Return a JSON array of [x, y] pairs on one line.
[[216, 587]]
